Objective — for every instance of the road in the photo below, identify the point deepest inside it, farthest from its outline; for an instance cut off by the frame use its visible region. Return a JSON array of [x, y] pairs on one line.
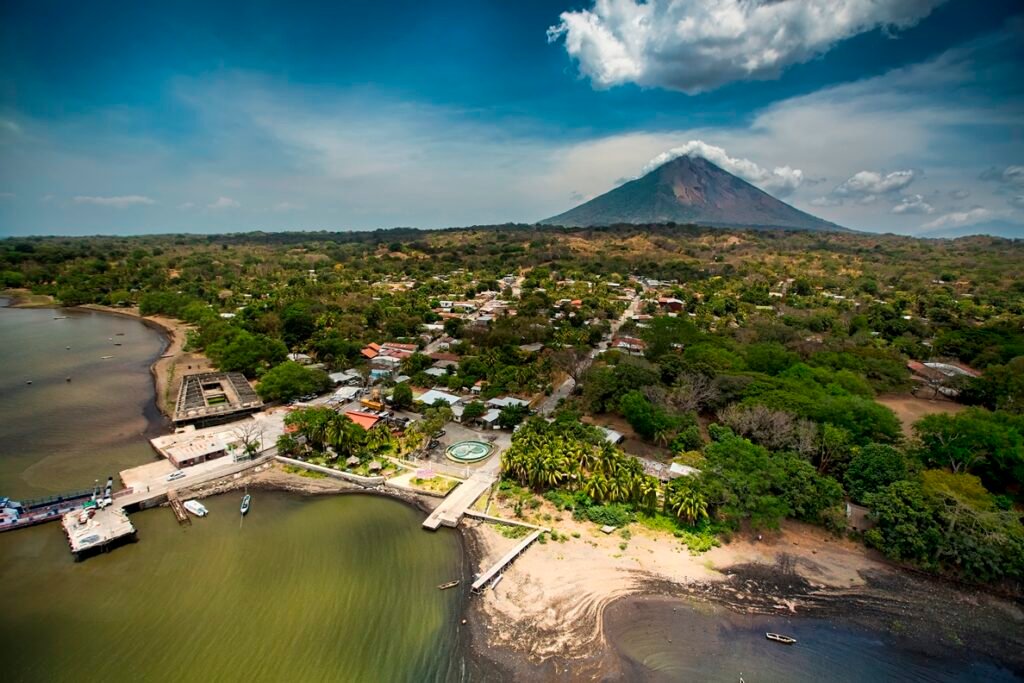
[[564, 389]]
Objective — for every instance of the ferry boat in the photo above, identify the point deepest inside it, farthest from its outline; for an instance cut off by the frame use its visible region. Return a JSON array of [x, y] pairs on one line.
[[18, 514], [246, 499], [196, 508], [779, 638]]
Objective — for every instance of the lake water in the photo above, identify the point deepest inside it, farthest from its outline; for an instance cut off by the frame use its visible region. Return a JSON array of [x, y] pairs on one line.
[[664, 639], [57, 435], [306, 589]]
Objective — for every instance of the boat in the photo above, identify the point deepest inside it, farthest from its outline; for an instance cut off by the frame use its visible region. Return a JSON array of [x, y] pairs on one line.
[[450, 584], [105, 357], [60, 317], [779, 638], [246, 500], [196, 508]]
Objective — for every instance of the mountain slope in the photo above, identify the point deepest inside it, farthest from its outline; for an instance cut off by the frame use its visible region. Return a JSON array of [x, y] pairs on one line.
[[690, 190]]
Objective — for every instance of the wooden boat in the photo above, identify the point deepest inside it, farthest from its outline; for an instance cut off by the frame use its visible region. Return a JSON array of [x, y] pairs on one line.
[[246, 500], [450, 584], [779, 638]]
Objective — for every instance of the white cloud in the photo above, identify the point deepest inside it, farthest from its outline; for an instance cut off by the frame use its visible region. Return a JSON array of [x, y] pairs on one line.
[[224, 203], [865, 184], [955, 218], [913, 203], [782, 180], [698, 45], [185, 206], [121, 202], [826, 201], [1017, 201], [287, 206], [1011, 175]]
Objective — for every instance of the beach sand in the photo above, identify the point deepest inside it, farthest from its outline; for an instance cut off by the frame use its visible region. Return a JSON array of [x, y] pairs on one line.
[[546, 616]]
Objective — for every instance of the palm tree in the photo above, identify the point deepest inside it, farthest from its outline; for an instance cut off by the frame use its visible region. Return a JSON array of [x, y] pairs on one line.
[[344, 435], [596, 487], [687, 502], [647, 492], [379, 438]]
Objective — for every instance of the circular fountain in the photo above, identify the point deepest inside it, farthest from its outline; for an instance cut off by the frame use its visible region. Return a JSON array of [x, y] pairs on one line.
[[468, 451]]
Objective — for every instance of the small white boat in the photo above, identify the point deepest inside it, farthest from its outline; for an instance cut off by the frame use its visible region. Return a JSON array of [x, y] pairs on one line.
[[196, 508], [105, 357], [779, 638]]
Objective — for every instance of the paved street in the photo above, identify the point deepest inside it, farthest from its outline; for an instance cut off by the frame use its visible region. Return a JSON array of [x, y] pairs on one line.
[[566, 388]]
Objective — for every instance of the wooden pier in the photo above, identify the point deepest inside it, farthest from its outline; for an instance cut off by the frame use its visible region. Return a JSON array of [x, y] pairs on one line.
[[178, 508], [485, 579]]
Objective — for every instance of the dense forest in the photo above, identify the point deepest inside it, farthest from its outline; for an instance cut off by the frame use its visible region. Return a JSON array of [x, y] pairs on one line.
[[752, 359]]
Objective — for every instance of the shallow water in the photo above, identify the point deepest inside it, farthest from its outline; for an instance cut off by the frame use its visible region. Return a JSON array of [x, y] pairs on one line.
[[663, 639], [57, 435], [304, 589]]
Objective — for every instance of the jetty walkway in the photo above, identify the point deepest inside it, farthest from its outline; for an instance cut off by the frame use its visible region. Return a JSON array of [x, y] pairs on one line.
[[459, 500]]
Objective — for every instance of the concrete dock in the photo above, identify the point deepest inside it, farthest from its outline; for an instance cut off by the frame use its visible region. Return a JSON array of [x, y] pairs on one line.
[[95, 529], [455, 504]]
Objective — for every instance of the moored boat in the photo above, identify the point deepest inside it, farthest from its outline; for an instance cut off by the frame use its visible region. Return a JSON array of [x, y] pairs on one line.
[[450, 584], [196, 508], [779, 638], [246, 500]]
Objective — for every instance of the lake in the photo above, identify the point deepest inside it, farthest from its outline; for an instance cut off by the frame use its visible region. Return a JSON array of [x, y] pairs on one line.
[[305, 589]]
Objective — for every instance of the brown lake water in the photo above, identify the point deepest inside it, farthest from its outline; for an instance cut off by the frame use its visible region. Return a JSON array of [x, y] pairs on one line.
[[339, 588]]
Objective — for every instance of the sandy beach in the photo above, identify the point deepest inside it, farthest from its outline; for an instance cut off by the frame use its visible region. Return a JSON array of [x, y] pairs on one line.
[[546, 616]]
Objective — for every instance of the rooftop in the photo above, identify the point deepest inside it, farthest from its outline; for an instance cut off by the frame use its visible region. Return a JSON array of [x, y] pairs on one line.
[[209, 396]]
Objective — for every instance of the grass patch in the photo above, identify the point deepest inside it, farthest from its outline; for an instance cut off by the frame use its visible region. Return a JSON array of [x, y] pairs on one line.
[[303, 472], [435, 484], [699, 539], [512, 530]]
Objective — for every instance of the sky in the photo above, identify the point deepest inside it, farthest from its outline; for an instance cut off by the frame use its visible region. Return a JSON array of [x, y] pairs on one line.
[[901, 116]]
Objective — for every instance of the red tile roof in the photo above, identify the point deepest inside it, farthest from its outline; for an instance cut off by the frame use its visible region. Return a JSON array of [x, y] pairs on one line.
[[364, 420]]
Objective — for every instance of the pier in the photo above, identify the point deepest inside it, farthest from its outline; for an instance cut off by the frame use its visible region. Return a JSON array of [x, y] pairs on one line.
[[178, 508], [96, 529], [458, 501], [508, 558]]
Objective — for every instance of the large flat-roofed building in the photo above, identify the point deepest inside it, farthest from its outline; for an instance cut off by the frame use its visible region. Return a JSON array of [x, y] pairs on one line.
[[210, 398]]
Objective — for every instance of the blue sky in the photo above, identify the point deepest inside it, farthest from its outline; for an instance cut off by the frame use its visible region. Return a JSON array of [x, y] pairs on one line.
[[886, 115]]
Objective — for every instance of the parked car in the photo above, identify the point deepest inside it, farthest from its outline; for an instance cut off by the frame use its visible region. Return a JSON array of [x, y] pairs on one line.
[[438, 434], [175, 475], [433, 444]]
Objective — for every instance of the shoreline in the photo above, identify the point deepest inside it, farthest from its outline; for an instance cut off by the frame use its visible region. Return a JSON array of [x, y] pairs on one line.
[[548, 617], [162, 370], [173, 332]]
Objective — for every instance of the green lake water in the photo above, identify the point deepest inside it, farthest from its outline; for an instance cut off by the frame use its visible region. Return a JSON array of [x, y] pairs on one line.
[[338, 588]]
